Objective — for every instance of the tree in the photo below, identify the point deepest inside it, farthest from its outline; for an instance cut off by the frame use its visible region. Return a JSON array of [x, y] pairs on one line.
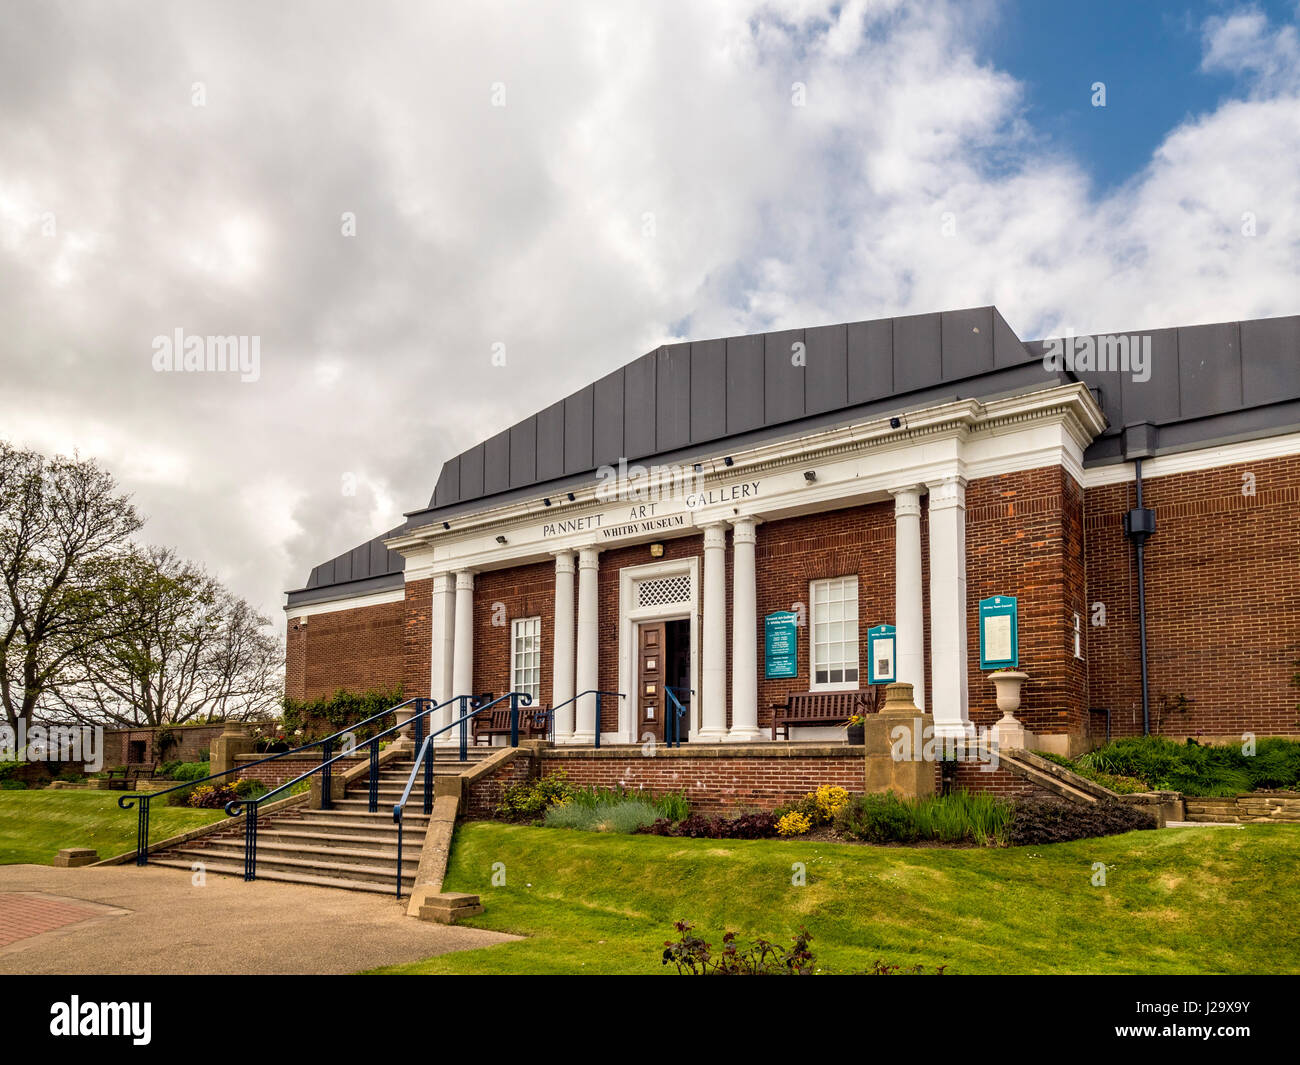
[[194, 651], [64, 529]]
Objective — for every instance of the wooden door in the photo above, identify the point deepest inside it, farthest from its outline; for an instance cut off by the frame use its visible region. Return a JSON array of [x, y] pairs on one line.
[[651, 672]]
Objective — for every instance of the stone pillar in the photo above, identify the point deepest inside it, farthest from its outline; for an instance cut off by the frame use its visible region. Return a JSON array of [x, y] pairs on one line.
[[948, 683], [896, 739], [233, 740], [587, 673], [909, 612], [562, 671], [462, 669], [713, 669], [744, 631], [442, 619]]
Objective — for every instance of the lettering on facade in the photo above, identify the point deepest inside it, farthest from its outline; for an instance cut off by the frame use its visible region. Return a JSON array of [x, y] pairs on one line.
[[651, 525], [748, 490], [645, 519]]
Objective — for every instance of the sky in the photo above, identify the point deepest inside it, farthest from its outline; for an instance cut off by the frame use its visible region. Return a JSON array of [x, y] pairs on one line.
[[435, 219]]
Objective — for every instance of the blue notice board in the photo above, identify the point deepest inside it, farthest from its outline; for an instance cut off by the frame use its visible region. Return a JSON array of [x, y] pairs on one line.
[[999, 632], [882, 665], [781, 644]]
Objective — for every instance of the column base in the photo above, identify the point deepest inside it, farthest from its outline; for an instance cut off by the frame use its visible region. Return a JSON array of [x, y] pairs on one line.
[[582, 737], [744, 735], [709, 735]]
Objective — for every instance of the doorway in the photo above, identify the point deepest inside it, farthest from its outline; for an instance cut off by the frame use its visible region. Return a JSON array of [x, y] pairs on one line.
[[663, 662]]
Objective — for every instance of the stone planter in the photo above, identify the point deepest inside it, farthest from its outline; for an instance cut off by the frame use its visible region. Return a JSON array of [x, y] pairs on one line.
[[1009, 732], [402, 716], [856, 734]]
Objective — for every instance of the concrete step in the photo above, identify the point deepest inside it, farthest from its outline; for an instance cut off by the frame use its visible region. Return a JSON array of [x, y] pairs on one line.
[[353, 826], [276, 850], [360, 809], [275, 862], [373, 887], [344, 839]]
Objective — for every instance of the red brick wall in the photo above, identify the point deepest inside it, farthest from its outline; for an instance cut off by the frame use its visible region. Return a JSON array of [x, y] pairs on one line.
[[713, 784], [1024, 537], [359, 649], [484, 795], [793, 552], [272, 774], [500, 597], [1222, 597], [418, 639], [999, 782]]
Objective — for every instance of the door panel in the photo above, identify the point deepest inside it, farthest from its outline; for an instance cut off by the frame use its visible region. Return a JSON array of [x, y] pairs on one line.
[[651, 673]]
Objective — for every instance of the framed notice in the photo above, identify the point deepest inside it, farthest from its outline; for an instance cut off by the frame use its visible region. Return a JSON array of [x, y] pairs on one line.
[[999, 632], [882, 666], [780, 644]]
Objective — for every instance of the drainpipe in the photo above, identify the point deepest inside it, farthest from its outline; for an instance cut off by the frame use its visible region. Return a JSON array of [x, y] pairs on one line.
[[1139, 525]]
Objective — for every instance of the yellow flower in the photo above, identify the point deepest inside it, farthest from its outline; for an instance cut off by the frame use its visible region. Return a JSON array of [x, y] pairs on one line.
[[793, 824]]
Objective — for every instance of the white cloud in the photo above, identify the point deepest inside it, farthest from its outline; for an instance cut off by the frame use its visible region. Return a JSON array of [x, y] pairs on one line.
[[649, 168]]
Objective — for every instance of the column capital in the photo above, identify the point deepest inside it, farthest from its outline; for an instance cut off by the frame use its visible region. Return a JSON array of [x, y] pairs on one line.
[[589, 557], [444, 582], [744, 529], [465, 580], [947, 492], [715, 535], [565, 561], [907, 500]]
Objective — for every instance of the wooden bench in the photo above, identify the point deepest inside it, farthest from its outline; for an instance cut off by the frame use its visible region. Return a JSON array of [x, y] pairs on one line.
[[534, 723], [123, 776], [821, 708]]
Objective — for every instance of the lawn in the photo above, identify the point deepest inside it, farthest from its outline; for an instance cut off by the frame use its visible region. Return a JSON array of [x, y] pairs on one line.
[[35, 824], [1183, 900]]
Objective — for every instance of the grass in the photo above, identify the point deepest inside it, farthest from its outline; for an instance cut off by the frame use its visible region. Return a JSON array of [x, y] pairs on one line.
[[1187, 900], [35, 824]]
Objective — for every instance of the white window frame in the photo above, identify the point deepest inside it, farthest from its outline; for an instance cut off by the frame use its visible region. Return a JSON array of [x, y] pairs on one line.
[[522, 630], [822, 638]]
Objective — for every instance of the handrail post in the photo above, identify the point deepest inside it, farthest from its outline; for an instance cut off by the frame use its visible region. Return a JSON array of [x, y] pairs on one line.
[[598, 719], [419, 724], [374, 775], [399, 856], [250, 840], [428, 779], [514, 719], [142, 831], [464, 725], [327, 776]]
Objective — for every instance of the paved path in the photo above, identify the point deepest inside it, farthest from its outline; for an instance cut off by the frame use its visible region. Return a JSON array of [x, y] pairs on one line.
[[122, 919]]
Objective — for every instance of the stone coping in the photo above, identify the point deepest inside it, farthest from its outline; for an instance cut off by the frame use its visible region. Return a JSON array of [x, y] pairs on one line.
[[712, 750]]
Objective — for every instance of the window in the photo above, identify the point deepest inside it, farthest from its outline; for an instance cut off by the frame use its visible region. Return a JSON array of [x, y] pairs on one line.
[[835, 633], [526, 656]]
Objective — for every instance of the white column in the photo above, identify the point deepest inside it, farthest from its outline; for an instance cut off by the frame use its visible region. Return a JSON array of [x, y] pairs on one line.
[[713, 670], [462, 669], [442, 619], [562, 675], [587, 672], [909, 613], [744, 631], [948, 654]]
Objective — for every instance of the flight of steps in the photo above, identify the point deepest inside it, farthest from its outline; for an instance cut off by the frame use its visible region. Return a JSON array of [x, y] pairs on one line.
[[345, 847]]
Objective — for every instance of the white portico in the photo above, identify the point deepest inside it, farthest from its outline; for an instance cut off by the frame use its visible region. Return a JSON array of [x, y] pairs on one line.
[[920, 464]]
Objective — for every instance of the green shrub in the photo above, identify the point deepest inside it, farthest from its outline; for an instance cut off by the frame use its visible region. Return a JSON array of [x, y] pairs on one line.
[[250, 789], [671, 805], [189, 771], [1198, 769], [619, 815], [1056, 821], [529, 799], [957, 818], [12, 785], [316, 718]]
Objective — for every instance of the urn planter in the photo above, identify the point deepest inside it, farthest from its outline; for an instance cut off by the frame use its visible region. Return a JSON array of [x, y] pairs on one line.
[[1009, 732]]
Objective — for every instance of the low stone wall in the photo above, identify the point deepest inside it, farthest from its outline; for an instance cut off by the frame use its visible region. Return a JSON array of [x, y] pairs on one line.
[[483, 795], [717, 778], [282, 770], [1256, 807]]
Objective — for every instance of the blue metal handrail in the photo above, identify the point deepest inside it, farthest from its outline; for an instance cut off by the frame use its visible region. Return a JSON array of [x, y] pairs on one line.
[[251, 807], [128, 801], [590, 691], [672, 727], [425, 756]]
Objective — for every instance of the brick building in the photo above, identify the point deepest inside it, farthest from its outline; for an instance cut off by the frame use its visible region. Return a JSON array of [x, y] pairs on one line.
[[642, 533]]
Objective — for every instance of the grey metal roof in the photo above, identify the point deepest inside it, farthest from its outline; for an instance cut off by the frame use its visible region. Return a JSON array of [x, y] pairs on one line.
[[702, 398]]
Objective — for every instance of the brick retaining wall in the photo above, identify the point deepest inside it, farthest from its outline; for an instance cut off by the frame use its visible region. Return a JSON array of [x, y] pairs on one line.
[[273, 774]]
